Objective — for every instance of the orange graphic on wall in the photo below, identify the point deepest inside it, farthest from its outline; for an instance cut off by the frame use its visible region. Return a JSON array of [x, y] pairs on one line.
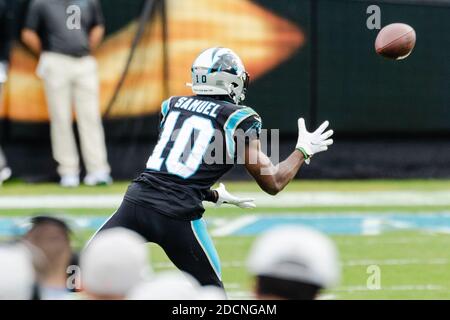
[[261, 38]]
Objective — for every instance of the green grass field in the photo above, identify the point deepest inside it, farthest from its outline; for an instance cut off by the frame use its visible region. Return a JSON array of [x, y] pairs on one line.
[[414, 262]]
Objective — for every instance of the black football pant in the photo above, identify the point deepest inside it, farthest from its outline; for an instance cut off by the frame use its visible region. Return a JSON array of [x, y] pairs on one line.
[[186, 243]]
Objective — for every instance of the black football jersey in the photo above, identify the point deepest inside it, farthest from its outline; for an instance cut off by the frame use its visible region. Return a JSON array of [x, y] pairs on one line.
[[198, 143]]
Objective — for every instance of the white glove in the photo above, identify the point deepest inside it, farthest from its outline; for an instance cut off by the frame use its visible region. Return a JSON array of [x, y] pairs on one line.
[[311, 143], [226, 197]]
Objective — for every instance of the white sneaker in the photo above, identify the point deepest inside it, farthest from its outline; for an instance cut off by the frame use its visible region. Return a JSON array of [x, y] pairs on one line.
[[5, 174], [98, 179], [70, 181]]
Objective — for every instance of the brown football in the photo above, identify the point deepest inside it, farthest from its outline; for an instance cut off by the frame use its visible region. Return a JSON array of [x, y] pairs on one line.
[[395, 41]]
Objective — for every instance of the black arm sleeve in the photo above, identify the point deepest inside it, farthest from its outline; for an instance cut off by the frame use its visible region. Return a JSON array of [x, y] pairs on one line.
[[33, 18], [6, 29], [249, 129], [211, 196], [98, 18]]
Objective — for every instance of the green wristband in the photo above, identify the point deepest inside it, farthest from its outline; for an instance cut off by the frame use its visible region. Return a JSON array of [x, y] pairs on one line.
[[305, 155]]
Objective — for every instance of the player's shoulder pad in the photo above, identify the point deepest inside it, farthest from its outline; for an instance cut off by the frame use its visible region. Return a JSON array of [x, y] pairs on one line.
[[240, 114], [165, 106], [235, 119], [253, 113]]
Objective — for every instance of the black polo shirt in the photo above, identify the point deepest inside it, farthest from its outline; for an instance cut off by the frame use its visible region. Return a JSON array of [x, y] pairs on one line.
[[6, 29], [64, 25]]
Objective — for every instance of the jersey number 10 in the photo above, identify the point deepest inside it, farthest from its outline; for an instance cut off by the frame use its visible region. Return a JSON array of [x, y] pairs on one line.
[[174, 163]]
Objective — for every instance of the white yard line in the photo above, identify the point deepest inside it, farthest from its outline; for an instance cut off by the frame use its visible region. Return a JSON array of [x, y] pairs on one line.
[[287, 199], [393, 198], [383, 242], [233, 226], [408, 287], [348, 263], [395, 262], [61, 202]]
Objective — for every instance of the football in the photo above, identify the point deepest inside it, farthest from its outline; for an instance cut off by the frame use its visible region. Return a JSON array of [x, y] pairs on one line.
[[395, 41]]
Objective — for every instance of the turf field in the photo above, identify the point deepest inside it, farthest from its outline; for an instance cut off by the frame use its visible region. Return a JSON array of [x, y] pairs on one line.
[[401, 227]]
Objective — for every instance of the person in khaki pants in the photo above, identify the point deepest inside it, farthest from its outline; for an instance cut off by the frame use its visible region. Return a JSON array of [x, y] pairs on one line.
[[6, 37], [5, 171], [64, 34]]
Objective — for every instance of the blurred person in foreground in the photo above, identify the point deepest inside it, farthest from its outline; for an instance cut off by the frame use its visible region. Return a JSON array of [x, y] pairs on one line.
[[114, 263], [65, 34], [51, 237], [16, 273], [6, 38], [175, 285], [293, 263]]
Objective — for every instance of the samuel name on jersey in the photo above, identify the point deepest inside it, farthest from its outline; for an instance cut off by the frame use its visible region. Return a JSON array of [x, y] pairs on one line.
[[198, 105]]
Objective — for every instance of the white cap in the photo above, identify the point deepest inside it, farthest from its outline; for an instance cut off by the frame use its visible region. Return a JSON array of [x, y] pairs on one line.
[[16, 273], [114, 262], [167, 286], [298, 254]]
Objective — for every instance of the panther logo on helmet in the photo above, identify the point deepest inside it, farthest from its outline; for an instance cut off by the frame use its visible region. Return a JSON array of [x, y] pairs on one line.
[[220, 71]]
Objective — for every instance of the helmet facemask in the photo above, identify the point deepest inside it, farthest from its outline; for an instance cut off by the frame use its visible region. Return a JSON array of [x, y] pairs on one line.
[[238, 90]]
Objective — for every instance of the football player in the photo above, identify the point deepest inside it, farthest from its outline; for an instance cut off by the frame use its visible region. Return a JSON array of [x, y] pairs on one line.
[[198, 143]]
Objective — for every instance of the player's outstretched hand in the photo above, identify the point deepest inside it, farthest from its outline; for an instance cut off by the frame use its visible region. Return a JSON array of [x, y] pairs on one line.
[[226, 197], [311, 143]]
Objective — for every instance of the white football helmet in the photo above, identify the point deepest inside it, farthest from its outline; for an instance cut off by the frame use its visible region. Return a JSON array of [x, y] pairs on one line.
[[220, 71]]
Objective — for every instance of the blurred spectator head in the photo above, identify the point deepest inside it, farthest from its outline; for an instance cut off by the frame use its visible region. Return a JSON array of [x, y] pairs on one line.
[[52, 237], [172, 285], [114, 262], [16, 273], [293, 263], [49, 239]]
